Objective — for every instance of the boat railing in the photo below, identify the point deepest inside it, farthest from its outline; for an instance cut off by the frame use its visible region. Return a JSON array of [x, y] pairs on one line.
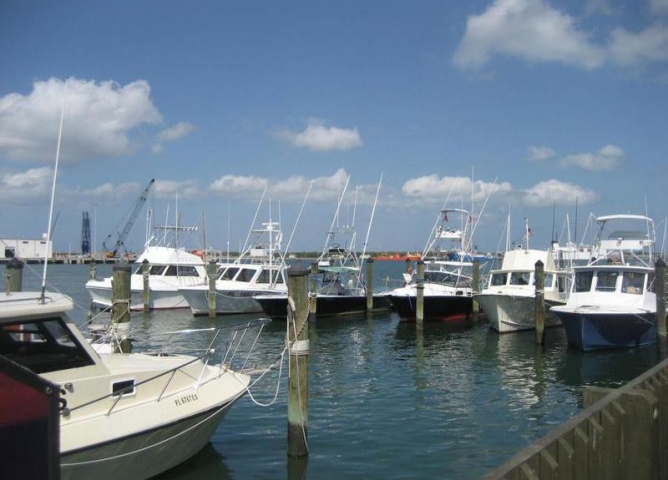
[[231, 349]]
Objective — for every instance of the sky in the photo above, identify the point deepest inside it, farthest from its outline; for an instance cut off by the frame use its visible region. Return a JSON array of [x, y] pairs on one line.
[[527, 109]]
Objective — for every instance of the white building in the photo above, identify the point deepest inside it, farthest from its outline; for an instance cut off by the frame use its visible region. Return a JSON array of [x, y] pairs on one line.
[[25, 249]]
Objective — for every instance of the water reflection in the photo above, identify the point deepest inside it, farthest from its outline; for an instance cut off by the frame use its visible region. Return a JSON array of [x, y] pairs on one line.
[[206, 464]]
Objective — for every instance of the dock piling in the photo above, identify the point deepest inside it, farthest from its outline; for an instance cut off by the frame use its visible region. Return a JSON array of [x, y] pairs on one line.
[[475, 288], [14, 275], [539, 276], [369, 285], [419, 296], [660, 290], [211, 275], [146, 293], [313, 292], [298, 315], [120, 307]]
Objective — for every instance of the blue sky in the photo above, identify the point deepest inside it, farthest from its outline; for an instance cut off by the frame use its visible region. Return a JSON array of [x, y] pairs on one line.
[[540, 104]]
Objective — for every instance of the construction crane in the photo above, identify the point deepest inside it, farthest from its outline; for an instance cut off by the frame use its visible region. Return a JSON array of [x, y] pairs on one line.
[[122, 235]]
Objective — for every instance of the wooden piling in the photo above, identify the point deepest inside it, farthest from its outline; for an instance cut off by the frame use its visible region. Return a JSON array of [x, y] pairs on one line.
[[313, 292], [539, 280], [146, 293], [369, 285], [475, 289], [211, 269], [298, 304], [120, 306], [14, 275], [660, 291], [419, 296]]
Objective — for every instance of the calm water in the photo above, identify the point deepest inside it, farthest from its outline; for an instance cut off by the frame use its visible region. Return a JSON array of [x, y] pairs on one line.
[[386, 401]]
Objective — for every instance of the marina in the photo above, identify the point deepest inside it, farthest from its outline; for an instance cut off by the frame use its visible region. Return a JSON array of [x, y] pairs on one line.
[[388, 400]]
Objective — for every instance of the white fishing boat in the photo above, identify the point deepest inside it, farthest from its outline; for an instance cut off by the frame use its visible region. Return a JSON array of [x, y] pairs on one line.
[[259, 270], [509, 300], [169, 268], [128, 416], [612, 301], [448, 263]]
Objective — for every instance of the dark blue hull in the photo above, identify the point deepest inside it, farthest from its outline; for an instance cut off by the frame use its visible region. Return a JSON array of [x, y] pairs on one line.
[[592, 331], [449, 308], [327, 305]]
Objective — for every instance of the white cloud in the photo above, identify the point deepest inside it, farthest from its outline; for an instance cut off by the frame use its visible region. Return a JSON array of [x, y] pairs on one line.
[[650, 45], [658, 6], [436, 189], [22, 188], [321, 138], [175, 132], [527, 29], [293, 188], [607, 158], [539, 154], [551, 192], [99, 118]]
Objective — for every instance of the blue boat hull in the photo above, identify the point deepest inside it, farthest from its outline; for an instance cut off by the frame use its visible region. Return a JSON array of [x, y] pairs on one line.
[[593, 331]]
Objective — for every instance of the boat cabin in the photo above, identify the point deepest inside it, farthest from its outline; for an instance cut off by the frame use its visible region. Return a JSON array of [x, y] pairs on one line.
[[611, 280], [257, 274]]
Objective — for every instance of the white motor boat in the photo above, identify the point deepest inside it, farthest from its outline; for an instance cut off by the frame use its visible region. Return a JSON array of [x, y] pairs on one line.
[[122, 415], [612, 301], [448, 262], [169, 269], [259, 270], [509, 300]]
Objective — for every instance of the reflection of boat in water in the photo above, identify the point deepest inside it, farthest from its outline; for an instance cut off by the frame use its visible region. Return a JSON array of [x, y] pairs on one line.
[[122, 415], [608, 368]]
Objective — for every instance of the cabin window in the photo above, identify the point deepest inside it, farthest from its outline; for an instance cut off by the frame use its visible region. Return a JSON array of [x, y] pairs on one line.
[[583, 281], [155, 270], [124, 388], [171, 271], [562, 284], [632, 282], [245, 275], [187, 271], [42, 346], [549, 280], [265, 276], [229, 273], [606, 281], [279, 278], [498, 279], [520, 278]]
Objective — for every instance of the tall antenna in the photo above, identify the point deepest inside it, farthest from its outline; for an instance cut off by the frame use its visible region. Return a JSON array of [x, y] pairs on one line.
[[53, 190]]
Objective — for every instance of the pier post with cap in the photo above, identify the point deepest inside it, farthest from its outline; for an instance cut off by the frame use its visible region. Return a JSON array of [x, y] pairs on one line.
[[313, 292], [14, 275], [298, 343], [475, 288], [120, 306], [660, 291], [419, 295], [146, 292], [211, 275], [539, 280], [369, 285]]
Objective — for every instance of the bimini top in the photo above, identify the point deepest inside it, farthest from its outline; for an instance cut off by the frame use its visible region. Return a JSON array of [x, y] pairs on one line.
[[605, 218]]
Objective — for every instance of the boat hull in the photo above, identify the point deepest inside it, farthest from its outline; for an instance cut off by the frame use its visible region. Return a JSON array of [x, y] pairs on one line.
[[450, 308], [514, 313], [145, 455], [228, 302], [326, 305], [593, 330], [158, 299]]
